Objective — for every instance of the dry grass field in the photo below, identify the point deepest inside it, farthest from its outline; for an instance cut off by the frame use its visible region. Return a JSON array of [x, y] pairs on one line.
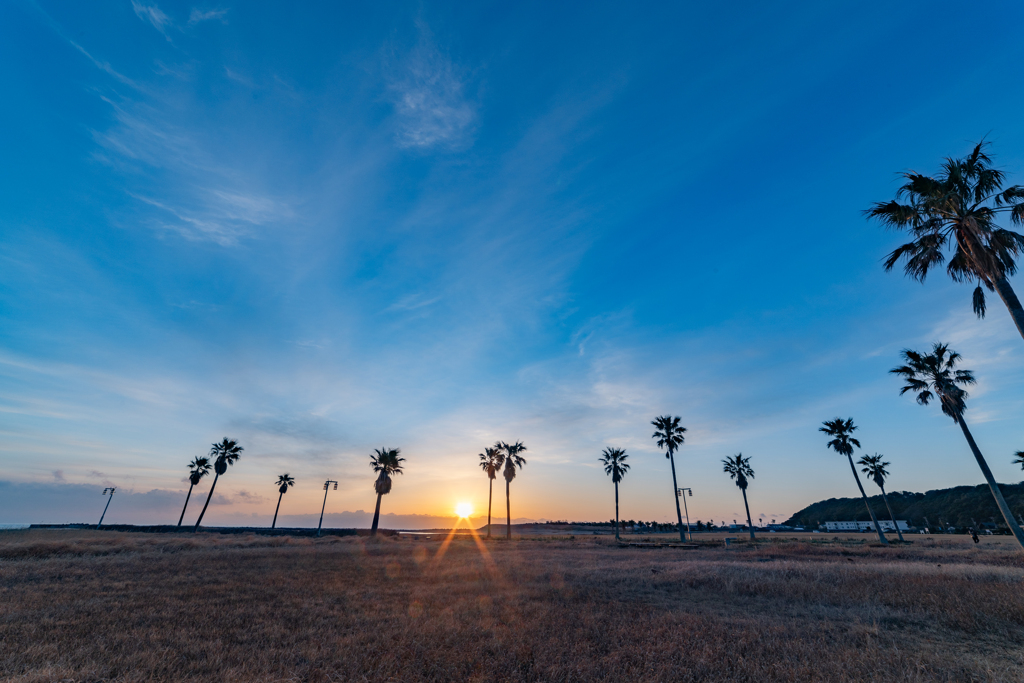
[[92, 606]]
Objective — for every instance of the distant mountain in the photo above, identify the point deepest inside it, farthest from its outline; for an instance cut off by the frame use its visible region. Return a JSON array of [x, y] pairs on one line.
[[956, 506]]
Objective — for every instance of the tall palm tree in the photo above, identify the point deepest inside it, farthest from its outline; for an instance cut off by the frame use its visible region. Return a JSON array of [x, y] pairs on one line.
[[875, 467], [283, 482], [491, 461], [936, 372], [385, 462], [739, 469], [512, 460], [957, 209], [843, 444], [224, 453], [670, 437], [614, 460], [198, 468]]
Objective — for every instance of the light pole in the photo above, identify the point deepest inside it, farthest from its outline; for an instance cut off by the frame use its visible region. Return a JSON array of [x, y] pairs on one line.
[[327, 485], [105, 492], [679, 493]]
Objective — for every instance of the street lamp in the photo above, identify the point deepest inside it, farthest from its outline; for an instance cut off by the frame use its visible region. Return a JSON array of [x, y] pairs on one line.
[[105, 492], [327, 485], [679, 493]]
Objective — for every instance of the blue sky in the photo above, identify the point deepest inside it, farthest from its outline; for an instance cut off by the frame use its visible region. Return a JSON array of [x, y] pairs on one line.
[[329, 228]]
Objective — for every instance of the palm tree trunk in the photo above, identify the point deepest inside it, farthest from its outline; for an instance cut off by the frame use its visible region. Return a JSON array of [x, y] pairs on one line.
[[992, 485], [280, 495], [376, 516], [508, 514], [190, 487], [891, 515], [675, 492], [881, 536], [616, 511], [1009, 298], [490, 496], [212, 487], [750, 523]]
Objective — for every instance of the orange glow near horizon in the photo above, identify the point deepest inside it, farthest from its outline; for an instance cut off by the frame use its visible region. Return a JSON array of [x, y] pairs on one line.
[[464, 510]]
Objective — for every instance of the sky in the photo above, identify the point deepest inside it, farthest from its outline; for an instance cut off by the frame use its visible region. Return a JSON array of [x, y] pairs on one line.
[[325, 228]]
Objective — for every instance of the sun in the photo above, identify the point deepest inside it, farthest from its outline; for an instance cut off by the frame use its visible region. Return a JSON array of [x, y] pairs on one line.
[[463, 510]]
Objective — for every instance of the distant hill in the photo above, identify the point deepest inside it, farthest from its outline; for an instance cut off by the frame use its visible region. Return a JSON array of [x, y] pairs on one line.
[[956, 506]]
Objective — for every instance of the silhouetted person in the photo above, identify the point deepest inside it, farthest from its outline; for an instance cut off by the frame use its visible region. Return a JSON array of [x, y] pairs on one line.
[[974, 535]]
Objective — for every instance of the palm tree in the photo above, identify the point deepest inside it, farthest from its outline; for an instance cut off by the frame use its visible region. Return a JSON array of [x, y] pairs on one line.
[[283, 482], [843, 444], [875, 467], [1019, 459], [670, 437], [738, 468], [490, 461], [957, 209], [936, 372], [512, 460], [198, 468], [614, 460], [225, 453], [385, 462]]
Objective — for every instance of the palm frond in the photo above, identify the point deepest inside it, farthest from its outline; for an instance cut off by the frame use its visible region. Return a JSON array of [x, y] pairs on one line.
[[954, 213]]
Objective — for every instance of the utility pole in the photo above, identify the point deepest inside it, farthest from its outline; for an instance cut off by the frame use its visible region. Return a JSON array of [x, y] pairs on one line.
[[679, 493], [105, 492], [327, 485]]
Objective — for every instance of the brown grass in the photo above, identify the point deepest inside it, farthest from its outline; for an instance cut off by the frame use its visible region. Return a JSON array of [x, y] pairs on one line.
[[89, 606]]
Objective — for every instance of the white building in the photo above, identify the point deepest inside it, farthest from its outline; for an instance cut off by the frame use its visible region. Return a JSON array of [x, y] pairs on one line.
[[886, 525]]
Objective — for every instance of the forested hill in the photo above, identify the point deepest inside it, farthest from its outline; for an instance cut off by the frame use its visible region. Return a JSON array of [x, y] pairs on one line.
[[955, 506]]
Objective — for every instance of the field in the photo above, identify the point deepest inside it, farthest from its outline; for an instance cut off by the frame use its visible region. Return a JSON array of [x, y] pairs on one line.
[[90, 606]]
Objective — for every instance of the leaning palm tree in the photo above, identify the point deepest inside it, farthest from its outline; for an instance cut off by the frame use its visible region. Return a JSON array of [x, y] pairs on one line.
[[670, 437], [843, 444], [739, 469], [512, 460], [490, 461], [385, 462], [935, 374], [224, 453], [614, 460], [283, 482], [957, 209], [198, 468], [875, 467]]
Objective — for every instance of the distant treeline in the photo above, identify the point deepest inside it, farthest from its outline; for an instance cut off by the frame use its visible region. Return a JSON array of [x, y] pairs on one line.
[[943, 507]]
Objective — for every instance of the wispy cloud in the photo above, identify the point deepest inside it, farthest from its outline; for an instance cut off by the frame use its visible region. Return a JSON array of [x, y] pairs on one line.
[[208, 198], [153, 15], [413, 302], [429, 95], [198, 16], [104, 66]]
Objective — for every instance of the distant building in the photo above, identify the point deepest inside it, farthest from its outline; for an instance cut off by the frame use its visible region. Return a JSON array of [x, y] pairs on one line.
[[886, 525]]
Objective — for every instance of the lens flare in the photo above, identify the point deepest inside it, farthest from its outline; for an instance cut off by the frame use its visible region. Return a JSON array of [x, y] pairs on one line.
[[463, 510]]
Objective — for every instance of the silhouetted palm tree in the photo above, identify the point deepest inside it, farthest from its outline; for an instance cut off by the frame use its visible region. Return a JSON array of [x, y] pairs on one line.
[[224, 453], [490, 461], [283, 482], [936, 372], [843, 444], [198, 468], [670, 437], [957, 209], [385, 462], [1019, 459], [874, 467], [738, 468], [512, 460], [614, 460]]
